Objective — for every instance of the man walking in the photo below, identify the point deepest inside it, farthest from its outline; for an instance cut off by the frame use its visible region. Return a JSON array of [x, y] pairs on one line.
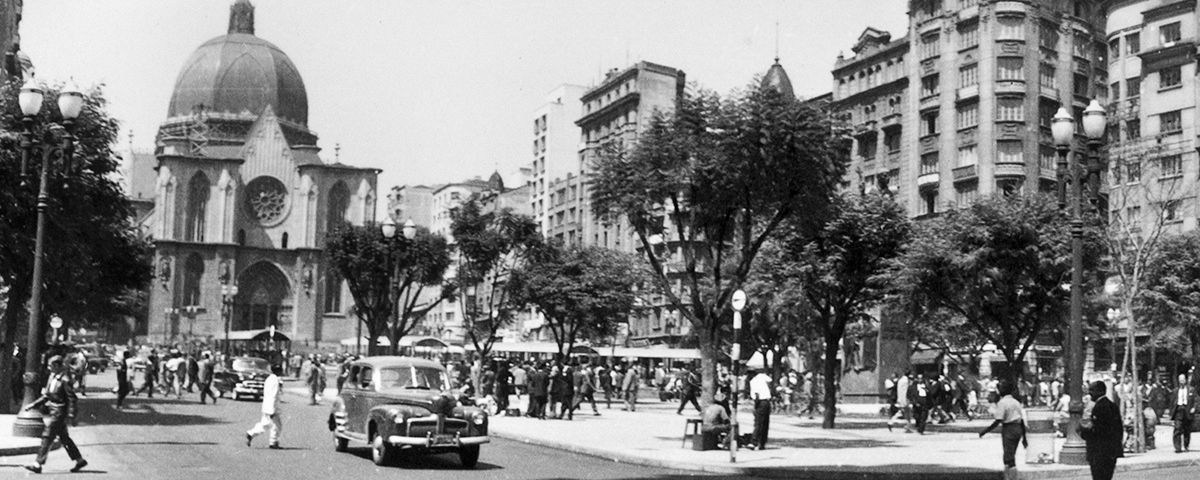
[[689, 389], [629, 386], [270, 411], [903, 409], [193, 370], [918, 398], [123, 385], [58, 397], [1102, 431], [149, 375], [539, 383], [760, 392], [1183, 410], [315, 380], [204, 377]]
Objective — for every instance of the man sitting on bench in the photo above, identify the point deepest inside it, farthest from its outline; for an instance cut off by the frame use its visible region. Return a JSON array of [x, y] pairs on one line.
[[715, 422]]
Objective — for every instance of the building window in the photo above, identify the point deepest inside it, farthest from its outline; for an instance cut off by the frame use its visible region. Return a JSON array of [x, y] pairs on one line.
[[929, 123], [891, 140], [968, 115], [930, 85], [333, 291], [1115, 88], [929, 202], [1133, 129], [1133, 172], [337, 207], [1009, 187], [968, 35], [1079, 85], [193, 272], [1010, 151], [1047, 158], [968, 76], [1080, 46], [867, 146], [966, 194], [929, 46], [1169, 77], [967, 155], [967, 3], [1012, 27], [1133, 87], [929, 163], [197, 207], [1046, 111], [1171, 211], [1170, 122], [1010, 109], [1133, 43], [1114, 48], [1169, 33], [1047, 78], [1010, 68], [1170, 165], [1048, 35]]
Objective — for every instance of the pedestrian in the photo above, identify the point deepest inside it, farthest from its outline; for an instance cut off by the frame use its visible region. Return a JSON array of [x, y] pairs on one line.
[[175, 370], [961, 397], [539, 388], [629, 386], [58, 404], [918, 398], [79, 370], [1102, 431], [193, 370], [343, 371], [604, 384], [204, 377], [715, 421], [616, 379], [1158, 398], [1010, 416], [123, 385], [559, 392], [689, 388], [520, 376], [660, 380], [903, 409], [149, 375], [315, 380], [760, 393], [1183, 412], [270, 411], [503, 387], [582, 388]]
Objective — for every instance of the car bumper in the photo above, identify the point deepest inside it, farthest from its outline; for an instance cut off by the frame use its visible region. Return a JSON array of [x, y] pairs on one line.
[[247, 390], [431, 441]]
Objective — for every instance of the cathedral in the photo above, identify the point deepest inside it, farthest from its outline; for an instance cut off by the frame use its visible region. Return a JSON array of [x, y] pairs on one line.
[[242, 202]]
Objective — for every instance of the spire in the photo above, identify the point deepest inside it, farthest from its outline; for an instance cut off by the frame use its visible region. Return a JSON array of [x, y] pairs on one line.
[[776, 78], [241, 17]]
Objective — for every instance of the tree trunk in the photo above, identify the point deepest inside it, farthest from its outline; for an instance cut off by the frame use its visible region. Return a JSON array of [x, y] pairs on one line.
[[1139, 437], [831, 369], [708, 366]]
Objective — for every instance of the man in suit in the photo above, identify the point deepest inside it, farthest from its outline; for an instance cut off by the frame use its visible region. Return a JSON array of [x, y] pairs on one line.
[[1103, 433], [689, 388], [58, 397], [1183, 410], [629, 387], [204, 377], [539, 382], [918, 397]]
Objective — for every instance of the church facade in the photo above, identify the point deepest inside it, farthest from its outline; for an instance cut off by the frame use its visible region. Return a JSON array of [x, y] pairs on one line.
[[243, 202]]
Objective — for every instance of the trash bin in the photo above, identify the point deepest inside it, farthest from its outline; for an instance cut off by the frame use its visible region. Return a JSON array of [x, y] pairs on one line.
[[1040, 434]]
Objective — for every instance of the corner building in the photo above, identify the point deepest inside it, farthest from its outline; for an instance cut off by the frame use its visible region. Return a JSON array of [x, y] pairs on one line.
[[242, 198]]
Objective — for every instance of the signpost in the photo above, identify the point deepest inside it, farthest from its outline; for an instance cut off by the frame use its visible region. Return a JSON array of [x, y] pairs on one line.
[[738, 303], [56, 323]]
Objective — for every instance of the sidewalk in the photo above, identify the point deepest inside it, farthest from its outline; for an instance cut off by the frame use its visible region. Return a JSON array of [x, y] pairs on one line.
[[10, 445], [861, 446]]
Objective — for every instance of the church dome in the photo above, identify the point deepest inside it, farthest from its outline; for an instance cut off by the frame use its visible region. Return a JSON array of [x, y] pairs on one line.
[[777, 79], [239, 72]]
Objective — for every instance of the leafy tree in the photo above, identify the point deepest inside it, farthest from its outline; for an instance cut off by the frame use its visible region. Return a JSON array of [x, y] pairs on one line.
[[490, 246], [1171, 298], [998, 264], [778, 315], [92, 252], [840, 270], [715, 179], [581, 292], [387, 304]]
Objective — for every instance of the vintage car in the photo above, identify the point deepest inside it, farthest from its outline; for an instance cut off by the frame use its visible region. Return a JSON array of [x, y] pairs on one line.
[[242, 376], [402, 403]]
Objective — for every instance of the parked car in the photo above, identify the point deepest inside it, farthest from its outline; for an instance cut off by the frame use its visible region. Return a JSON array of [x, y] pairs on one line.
[[402, 403], [97, 359], [243, 376]]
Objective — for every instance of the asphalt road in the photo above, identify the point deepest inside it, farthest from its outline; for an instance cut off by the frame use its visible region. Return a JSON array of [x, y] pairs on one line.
[[165, 438]]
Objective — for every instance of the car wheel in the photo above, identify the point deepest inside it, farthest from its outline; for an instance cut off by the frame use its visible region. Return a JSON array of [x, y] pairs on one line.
[[237, 396], [382, 453], [469, 456], [340, 444]]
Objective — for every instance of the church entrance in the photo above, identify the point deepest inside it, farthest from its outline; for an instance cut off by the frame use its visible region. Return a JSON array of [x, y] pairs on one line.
[[264, 299]]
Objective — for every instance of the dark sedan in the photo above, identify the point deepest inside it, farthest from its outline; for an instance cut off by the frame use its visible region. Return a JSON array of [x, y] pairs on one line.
[[243, 376]]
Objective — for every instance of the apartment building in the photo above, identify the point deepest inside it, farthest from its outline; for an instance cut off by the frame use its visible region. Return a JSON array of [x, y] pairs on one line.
[[555, 153]]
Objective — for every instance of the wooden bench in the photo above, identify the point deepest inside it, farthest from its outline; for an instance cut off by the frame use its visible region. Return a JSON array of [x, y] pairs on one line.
[[692, 424]]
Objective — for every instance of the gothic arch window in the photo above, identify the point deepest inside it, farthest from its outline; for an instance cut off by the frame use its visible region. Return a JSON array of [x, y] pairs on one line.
[[264, 297], [333, 291], [338, 207], [197, 207], [284, 241], [241, 237], [193, 272]]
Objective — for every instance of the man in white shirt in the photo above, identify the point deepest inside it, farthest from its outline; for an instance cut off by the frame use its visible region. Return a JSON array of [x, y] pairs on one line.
[[175, 375], [760, 393], [272, 390], [902, 407], [1183, 409]]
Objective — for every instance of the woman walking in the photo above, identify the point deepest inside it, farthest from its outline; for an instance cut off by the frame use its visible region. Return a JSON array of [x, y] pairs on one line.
[[1010, 416]]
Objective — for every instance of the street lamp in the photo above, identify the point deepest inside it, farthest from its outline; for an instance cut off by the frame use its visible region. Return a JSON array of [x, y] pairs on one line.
[[738, 303], [409, 232], [1074, 450], [227, 294], [70, 105]]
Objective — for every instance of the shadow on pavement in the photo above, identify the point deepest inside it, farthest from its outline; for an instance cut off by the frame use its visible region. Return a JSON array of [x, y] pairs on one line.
[[84, 445], [828, 443], [931, 428], [137, 411], [441, 461], [880, 472]]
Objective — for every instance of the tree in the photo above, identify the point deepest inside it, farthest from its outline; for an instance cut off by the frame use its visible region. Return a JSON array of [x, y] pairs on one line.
[[92, 251], [490, 246], [581, 292], [387, 276], [1000, 265], [716, 179], [778, 314], [1171, 296], [840, 271]]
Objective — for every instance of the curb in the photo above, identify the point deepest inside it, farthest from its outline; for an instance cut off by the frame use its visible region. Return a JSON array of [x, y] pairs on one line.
[[25, 450], [1082, 472]]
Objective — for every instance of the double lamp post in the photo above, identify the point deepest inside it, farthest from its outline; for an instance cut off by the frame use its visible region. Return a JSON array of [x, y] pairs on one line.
[[70, 104], [388, 229], [1073, 173]]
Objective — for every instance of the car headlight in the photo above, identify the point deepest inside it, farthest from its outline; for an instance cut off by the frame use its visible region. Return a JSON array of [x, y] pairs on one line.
[[400, 417], [479, 417]]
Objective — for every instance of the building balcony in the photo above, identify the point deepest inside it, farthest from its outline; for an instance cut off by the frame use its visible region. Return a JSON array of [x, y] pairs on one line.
[[1048, 174], [893, 158], [968, 13], [966, 93], [1010, 170], [962, 174], [865, 126], [890, 120], [929, 102], [928, 179], [1011, 7], [1010, 86]]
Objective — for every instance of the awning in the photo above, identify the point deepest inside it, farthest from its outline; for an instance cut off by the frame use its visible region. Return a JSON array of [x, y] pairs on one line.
[[383, 341], [652, 352], [258, 335]]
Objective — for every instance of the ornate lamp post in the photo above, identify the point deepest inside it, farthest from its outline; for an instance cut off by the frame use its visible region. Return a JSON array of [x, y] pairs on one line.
[[409, 232], [1072, 172], [70, 104]]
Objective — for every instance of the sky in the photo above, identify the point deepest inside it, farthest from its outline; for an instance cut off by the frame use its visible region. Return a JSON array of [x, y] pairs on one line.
[[436, 91]]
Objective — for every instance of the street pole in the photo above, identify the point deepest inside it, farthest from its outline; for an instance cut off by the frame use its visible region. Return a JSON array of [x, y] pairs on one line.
[[738, 302]]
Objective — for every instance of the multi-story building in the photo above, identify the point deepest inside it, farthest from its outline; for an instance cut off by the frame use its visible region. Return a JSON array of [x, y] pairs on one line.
[[412, 202], [555, 149], [959, 108]]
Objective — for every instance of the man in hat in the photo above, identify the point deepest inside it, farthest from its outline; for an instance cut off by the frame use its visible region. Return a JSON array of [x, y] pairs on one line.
[[1102, 431], [760, 392], [58, 398]]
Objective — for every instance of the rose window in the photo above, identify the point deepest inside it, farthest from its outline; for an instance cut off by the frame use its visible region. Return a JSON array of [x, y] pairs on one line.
[[266, 199]]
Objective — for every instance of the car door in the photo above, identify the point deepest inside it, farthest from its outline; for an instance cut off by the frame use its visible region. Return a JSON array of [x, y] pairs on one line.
[[350, 396]]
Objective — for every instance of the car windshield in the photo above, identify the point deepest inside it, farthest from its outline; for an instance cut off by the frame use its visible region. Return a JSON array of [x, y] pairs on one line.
[[250, 363], [414, 377]]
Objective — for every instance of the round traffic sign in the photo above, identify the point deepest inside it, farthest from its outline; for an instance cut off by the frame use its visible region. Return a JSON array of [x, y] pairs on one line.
[[56, 322], [739, 300]]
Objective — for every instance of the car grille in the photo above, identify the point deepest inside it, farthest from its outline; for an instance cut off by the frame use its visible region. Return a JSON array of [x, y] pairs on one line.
[[255, 384], [422, 427]]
